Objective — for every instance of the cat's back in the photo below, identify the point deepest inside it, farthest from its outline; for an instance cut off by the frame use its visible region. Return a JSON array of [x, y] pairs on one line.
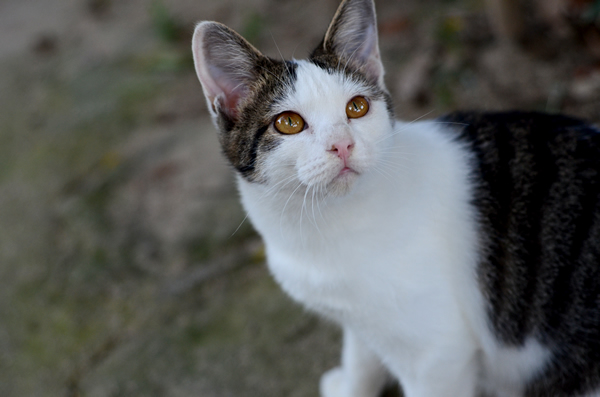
[[537, 195]]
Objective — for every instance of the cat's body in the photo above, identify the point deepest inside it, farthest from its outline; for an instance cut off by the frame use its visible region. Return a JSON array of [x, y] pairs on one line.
[[458, 255]]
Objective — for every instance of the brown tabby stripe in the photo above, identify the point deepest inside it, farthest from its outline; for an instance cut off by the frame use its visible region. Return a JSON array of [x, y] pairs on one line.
[[537, 191], [246, 140]]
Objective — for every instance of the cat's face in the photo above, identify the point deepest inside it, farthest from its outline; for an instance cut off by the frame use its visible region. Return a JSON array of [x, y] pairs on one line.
[[318, 123], [345, 122]]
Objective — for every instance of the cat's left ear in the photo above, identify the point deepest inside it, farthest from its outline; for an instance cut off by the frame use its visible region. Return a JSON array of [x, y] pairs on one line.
[[226, 65], [352, 36]]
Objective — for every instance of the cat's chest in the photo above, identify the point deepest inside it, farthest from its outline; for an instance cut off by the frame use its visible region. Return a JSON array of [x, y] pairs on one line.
[[358, 282], [330, 286]]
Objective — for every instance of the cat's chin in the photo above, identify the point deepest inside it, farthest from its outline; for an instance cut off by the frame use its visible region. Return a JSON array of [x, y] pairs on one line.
[[342, 184]]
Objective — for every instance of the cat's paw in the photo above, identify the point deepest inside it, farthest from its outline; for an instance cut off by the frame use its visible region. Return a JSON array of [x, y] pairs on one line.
[[333, 383], [337, 383]]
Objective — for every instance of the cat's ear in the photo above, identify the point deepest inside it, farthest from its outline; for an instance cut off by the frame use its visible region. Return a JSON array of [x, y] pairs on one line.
[[352, 36], [226, 67]]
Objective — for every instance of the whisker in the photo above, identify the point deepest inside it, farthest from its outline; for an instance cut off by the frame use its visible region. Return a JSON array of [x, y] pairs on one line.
[[394, 170], [285, 206], [384, 174], [302, 212], [392, 173], [395, 150], [404, 127], [273, 74], [297, 45], [340, 58], [315, 197], [312, 202], [394, 161], [272, 188], [394, 166], [388, 161], [319, 191], [390, 152], [238, 228], [279, 51], [350, 58], [450, 123]]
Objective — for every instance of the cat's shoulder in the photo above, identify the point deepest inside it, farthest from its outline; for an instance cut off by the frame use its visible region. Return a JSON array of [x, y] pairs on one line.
[[506, 133], [474, 123]]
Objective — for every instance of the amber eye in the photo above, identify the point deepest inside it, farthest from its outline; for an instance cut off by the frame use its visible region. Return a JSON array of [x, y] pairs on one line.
[[289, 123], [357, 107]]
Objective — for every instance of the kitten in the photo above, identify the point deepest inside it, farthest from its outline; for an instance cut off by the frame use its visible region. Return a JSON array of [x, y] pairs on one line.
[[459, 255]]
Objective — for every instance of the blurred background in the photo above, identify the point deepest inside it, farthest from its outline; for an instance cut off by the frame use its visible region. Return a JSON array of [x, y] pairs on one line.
[[126, 267]]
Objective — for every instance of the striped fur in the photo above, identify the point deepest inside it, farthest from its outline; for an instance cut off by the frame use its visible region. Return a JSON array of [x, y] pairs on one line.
[[537, 181]]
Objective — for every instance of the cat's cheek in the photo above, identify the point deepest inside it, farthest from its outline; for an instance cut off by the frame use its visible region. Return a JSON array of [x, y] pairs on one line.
[[317, 170], [279, 167]]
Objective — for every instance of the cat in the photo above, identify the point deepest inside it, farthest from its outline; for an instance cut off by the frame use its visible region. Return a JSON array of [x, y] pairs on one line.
[[459, 255]]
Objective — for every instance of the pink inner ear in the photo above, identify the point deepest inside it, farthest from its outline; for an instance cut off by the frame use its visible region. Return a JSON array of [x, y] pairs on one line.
[[229, 103], [225, 64], [228, 88]]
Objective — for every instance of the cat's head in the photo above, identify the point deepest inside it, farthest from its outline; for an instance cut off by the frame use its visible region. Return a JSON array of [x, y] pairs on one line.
[[318, 122]]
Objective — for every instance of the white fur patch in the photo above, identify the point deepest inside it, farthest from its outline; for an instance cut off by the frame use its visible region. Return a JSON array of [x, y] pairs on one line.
[[509, 369]]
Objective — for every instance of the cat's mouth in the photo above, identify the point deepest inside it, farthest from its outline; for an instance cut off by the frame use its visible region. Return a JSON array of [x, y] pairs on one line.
[[346, 170], [343, 181]]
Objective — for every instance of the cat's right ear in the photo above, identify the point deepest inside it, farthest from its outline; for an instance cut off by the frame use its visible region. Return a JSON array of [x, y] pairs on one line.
[[352, 36], [226, 67]]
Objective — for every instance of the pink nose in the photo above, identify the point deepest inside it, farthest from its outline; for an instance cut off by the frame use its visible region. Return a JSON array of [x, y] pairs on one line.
[[342, 149]]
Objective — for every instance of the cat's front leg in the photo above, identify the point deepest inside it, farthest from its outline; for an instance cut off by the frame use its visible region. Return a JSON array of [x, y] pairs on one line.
[[437, 370], [361, 373]]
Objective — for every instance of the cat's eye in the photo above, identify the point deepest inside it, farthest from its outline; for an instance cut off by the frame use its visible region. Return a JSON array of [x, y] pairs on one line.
[[289, 123], [357, 107]]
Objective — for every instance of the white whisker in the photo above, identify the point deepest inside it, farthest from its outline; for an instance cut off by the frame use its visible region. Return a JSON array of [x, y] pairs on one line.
[[390, 152], [386, 161], [322, 199], [350, 58], [404, 127], [394, 167], [238, 228], [312, 203], [302, 212], [273, 74], [384, 174], [280, 54], [285, 206], [271, 190], [297, 45], [449, 122]]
